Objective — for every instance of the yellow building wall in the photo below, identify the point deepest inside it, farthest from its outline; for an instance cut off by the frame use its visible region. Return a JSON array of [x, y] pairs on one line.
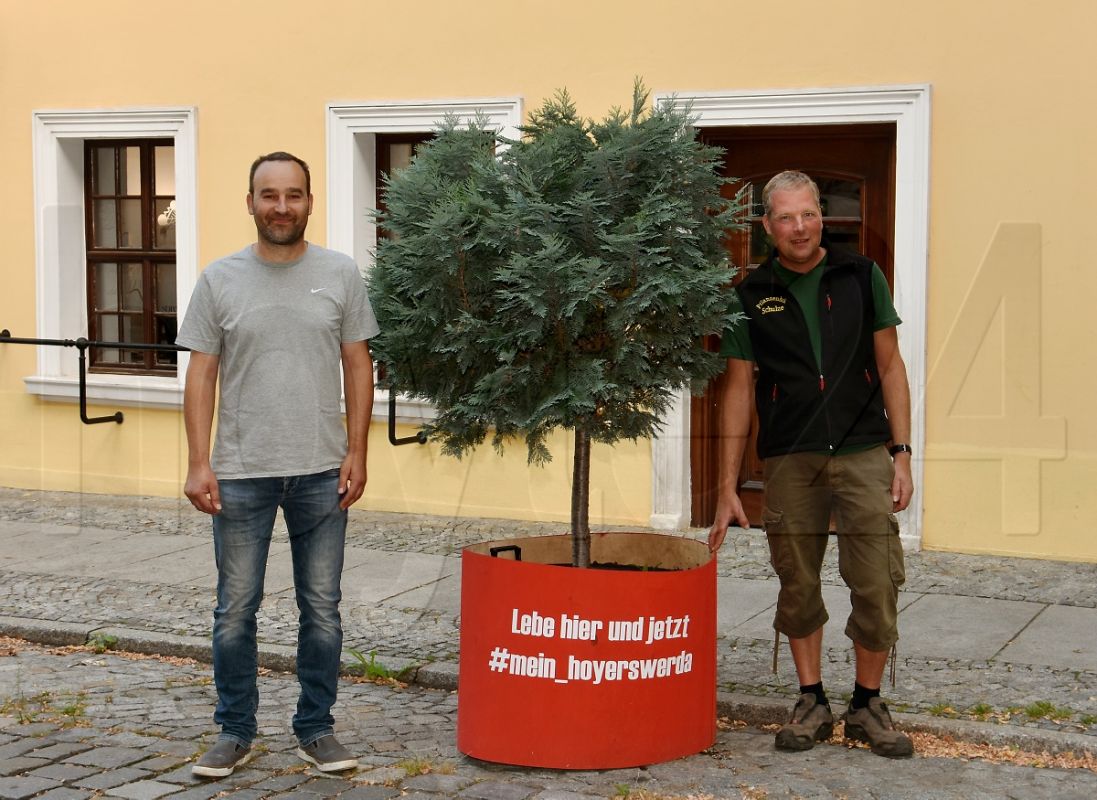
[[420, 479], [1011, 204]]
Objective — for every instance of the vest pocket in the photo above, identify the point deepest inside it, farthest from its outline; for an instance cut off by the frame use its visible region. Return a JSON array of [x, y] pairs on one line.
[[895, 553], [779, 556]]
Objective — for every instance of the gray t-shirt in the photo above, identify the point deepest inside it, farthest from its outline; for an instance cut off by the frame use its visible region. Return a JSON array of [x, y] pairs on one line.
[[278, 330]]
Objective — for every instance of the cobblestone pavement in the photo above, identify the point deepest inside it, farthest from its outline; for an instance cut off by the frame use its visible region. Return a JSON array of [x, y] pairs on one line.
[[416, 633], [76, 725], [142, 720]]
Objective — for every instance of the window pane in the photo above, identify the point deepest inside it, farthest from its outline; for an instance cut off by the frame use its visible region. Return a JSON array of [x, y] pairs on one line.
[[108, 332], [130, 176], [165, 334], [840, 198], [131, 223], [133, 288], [164, 158], [165, 288], [132, 331], [131, 327], [108, 328], [104, 171], [106, 287], [400, 156], [164, 231], [756, 207], [105, 224], [845, 237], [760, 243]]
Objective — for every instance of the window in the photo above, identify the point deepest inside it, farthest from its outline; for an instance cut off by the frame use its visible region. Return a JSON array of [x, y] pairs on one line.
[[362, 135], [367, 140], [394, 152], [129, 211], [61, 252]]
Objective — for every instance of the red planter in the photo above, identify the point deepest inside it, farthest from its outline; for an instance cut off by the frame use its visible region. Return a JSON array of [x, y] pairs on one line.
[[587, 668]]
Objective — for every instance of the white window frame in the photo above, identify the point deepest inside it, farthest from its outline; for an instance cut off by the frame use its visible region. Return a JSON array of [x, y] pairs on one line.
[[352, 184], [61, 254], [908, 106]]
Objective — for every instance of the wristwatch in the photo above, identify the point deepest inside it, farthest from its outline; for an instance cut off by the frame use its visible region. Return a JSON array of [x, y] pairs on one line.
[[895, 449]]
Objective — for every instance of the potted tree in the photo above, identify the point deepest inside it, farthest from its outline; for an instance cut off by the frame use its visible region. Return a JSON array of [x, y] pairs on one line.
[[565, 279]]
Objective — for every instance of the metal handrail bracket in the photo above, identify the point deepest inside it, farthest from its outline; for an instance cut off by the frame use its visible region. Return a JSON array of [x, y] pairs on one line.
[[419, 438], [83, 344]]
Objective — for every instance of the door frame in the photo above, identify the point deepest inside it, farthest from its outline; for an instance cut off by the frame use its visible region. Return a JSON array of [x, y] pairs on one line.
[[908, 106]]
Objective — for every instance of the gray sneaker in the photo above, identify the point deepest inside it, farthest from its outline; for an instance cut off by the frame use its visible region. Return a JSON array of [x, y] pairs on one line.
[[328, 755], [810, 722], [221, 759], [872, 724]]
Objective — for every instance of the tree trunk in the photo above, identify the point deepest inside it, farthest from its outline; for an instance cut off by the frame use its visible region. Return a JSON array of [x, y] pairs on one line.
[[580, 502]]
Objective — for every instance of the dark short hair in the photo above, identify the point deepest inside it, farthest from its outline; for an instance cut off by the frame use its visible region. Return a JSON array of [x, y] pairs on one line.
[[279, 155]]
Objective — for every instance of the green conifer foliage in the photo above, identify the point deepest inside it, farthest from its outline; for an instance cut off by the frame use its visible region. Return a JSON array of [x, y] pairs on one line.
[[562, 280]]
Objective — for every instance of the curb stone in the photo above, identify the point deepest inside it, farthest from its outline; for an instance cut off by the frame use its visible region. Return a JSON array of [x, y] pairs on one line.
[[50, 633], [438, 675], [133, 640]]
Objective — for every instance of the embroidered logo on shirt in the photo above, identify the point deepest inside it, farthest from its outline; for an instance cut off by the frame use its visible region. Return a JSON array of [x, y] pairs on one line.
[[767, 305], [314, 291]]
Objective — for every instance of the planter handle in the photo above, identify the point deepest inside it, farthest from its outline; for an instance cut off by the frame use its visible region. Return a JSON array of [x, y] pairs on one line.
[[509, 548]]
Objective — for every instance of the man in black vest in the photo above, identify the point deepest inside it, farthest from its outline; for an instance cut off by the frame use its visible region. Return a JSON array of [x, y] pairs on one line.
[[833, 409]]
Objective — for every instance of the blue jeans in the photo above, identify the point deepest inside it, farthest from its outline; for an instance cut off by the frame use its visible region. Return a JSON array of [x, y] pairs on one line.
[[241, 538]]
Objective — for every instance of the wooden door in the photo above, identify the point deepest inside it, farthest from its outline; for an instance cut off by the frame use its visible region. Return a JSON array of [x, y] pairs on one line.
[[854, 166]]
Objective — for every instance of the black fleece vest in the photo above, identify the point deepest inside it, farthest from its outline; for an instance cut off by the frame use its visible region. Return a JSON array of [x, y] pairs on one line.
[[800, 408]]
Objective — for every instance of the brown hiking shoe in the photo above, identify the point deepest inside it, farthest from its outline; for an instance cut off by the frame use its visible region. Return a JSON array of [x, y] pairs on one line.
[[810, 723], [872, 724]]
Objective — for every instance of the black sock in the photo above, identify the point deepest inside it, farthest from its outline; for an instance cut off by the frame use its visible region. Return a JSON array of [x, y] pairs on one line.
[[861, 696], [817, 690]]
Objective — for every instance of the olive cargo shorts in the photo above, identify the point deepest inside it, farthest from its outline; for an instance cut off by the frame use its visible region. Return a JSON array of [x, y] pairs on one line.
[[802, 489]]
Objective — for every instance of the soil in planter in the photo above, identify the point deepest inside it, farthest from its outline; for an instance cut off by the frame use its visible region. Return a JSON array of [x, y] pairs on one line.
[[622, 567]]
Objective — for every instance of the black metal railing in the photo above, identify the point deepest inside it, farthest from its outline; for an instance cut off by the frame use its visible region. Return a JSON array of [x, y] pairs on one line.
[[82, 346], [419, 437]]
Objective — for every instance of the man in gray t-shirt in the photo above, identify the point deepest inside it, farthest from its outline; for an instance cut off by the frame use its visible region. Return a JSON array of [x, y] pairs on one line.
[[275, 322]]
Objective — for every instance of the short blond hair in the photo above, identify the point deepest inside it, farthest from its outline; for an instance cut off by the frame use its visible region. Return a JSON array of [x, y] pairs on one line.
[[790, 179]]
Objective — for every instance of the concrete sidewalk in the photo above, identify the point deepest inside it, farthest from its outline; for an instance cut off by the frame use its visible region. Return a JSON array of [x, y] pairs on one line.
[[995, 649]]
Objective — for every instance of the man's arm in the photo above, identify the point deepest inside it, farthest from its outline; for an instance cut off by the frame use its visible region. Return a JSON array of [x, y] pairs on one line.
[[358, 390], [198, 396], [896, 389], [734, 428]]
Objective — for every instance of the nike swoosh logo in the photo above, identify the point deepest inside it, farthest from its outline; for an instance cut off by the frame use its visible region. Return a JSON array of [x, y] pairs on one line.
[[314, 291]]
